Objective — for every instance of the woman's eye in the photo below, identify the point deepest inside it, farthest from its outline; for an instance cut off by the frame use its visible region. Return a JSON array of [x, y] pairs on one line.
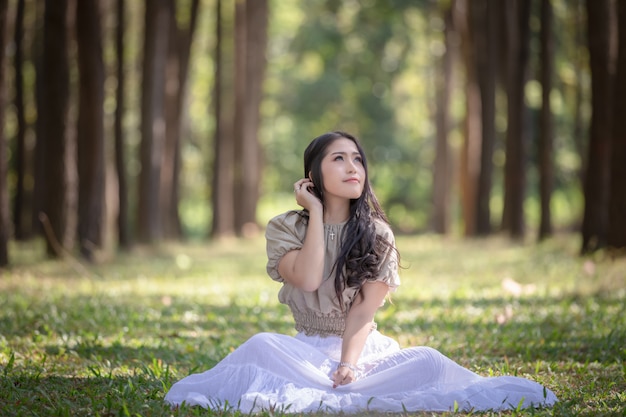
[[338, 158], [359, 159]]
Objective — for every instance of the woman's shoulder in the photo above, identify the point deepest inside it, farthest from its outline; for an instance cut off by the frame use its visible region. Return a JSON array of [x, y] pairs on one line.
[[292, 220], [383, 229], [289, 217]]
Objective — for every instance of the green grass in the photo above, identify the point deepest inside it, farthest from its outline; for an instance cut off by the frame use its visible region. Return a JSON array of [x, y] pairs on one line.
[[110, 339]]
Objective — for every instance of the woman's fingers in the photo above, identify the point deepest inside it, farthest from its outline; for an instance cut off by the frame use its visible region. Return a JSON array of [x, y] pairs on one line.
[[342, 376], [301, 184]]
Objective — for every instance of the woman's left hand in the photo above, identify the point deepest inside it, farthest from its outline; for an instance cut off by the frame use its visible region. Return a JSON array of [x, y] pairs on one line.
[[342, 376]]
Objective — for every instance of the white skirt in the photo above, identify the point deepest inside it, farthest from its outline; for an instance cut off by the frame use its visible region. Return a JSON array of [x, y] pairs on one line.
[[292, 375]]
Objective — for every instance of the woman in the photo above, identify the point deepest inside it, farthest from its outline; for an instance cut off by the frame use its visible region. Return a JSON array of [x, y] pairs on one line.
[[337, 262]]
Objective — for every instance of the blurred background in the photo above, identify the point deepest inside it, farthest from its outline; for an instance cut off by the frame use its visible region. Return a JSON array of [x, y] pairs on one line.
[[137, 122]]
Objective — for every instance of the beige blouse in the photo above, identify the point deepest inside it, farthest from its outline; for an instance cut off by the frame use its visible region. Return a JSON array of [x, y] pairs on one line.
[[319, 312]]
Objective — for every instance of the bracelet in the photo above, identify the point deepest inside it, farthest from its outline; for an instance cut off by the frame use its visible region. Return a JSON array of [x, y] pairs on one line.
[[347, 365]]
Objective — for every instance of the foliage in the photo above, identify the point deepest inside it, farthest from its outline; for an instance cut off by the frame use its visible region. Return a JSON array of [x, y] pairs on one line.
[[370, 68], [354, 66], [360, 65], [110, 340]]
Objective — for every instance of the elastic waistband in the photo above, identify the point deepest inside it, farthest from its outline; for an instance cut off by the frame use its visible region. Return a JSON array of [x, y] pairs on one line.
[[323, 325]]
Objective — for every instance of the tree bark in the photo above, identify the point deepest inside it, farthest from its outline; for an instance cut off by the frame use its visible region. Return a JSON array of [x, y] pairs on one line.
[[240, 112], [616, 236], [471, 148], [149, 214], [580, 65], [54, 137], [123, 224], [4, 191], [441, 173], [484, 17], [546, 163], [179, 48], [516, 134], [19, 200], [250, 45], [596, 185], [223, 222], [90, 130]]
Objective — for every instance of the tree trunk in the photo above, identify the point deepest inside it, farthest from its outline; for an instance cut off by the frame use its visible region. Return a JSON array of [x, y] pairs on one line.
[[179, 48], [19, 200], [223, 222], [149, 214], [470, 152], [616, 236], [54, 139], [173, 92], [250, 45], [596, 185], [546, 163], [4, 191], [484, 17], [516, 135], [442, 168], [39, 157], [123, 227], [240, 113], [580, 64], [90, 131]]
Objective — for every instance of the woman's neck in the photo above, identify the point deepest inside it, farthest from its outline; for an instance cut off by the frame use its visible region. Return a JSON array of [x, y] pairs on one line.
[[336, 211]]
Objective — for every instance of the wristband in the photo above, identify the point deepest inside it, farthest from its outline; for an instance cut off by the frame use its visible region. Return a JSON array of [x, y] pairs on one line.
[[347, 365]]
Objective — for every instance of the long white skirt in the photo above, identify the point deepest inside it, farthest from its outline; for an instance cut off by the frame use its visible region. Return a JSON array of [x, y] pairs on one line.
[[292, 374]]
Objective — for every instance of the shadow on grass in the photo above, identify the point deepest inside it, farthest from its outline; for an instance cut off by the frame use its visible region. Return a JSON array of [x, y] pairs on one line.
[[120, 329], [23, 394], [94, 340], [563, 328]]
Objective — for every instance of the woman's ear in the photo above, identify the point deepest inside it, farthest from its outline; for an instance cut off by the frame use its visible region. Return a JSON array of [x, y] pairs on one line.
[[310, 176]]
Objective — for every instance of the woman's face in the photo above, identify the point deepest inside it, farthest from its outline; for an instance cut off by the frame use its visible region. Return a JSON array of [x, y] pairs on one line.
[[343, 172]]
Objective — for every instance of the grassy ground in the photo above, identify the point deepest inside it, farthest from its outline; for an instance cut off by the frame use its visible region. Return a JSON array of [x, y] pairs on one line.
[[110, 339]]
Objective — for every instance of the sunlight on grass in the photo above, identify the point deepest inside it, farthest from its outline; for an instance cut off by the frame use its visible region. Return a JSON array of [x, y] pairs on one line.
[[109, 339]]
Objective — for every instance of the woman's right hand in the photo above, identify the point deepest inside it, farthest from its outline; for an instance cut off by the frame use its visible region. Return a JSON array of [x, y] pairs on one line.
[[305, 195]]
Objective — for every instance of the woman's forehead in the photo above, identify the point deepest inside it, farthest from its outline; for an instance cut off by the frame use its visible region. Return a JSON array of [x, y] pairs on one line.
[[342, 145]]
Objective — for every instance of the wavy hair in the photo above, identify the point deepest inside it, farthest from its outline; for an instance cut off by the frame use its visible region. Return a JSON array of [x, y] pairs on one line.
[[362, 249]]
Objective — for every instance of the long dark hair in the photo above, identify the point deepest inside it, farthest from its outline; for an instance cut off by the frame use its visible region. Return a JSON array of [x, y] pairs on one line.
[[362, 249]]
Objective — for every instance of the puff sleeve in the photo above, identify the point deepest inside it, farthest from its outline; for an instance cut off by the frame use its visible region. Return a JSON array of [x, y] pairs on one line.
[[283, 234], [388, 272]]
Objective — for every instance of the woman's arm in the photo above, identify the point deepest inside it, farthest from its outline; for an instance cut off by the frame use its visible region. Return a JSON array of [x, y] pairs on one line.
[[304, 267], [358, 327]]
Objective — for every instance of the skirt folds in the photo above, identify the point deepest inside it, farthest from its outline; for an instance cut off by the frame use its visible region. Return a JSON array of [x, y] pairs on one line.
[[292, 374]]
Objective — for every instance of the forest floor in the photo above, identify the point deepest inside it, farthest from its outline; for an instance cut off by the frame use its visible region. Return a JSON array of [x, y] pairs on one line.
[[110, 339]]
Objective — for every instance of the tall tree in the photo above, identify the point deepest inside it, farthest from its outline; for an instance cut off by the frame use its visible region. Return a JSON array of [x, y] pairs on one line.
[[471, 147], [250, 62], [578, 16], [518, 24], [616, 236], [222, 196], [179, 48], [545, 148], [90, 130], [123, 231], [484, 17], [596, 183], [4, 192], [442, 167], [54, 138], [152, 120], [19, 199]]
